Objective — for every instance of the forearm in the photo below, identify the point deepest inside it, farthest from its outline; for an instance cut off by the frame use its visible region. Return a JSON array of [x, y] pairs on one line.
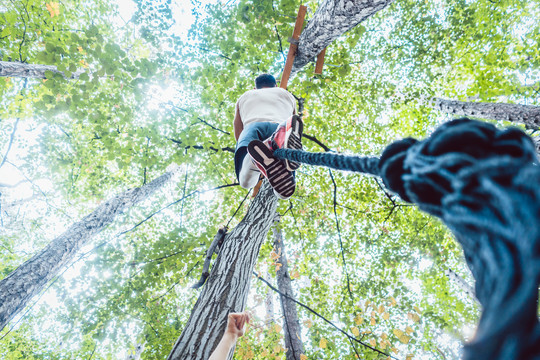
[[238, 125], [238, 130], [224, 347]]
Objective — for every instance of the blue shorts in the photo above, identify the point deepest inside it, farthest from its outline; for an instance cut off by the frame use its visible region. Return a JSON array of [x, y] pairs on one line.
[[254, 131]]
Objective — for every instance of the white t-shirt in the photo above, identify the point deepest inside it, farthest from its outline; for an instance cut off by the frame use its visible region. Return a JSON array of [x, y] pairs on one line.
[[267, 104]]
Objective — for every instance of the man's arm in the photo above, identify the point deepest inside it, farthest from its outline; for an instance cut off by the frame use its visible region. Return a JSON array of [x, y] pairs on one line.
[[237, 124], [235, 329]]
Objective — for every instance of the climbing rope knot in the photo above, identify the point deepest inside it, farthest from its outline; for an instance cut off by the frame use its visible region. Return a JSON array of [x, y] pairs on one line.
[[423, 172]]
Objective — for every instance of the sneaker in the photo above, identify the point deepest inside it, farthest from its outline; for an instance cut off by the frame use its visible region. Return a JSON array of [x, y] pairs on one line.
[[289, 136], [281, 179]]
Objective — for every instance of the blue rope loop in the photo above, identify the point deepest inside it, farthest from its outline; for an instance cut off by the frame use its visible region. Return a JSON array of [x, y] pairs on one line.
[[422, 172], [484, 183]]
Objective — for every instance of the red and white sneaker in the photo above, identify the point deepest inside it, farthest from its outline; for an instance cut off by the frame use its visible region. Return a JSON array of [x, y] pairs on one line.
[[281, 179], [289, 136]]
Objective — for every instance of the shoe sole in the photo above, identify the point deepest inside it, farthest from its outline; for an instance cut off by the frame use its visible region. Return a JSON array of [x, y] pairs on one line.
[[294, 140], [281, 179]]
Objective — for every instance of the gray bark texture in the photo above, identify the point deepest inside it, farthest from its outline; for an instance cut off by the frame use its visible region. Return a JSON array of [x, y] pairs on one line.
[[524, 114], [291, 325], [269, 303], [23, 70], [331, 20], [30, 278], [537, 144], [461, 283], [227, 287]]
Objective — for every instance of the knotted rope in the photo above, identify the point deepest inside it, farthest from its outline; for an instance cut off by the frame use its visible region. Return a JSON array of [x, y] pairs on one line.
[[484, 183]]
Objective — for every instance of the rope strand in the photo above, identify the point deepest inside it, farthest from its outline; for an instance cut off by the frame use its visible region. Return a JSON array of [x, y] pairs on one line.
[[362, 164]]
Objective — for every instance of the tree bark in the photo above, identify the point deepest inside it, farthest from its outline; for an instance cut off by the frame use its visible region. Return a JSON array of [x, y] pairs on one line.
[[269, 303], [331, 20], [228, 285], [22, 70], [461, 283], [525, 114], [291, 325], [30, 278], [537, 143]]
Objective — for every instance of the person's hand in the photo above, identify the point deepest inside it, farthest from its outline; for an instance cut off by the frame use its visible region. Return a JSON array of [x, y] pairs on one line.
[[236, 322]]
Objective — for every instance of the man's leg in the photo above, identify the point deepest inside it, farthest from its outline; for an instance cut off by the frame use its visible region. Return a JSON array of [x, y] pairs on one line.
[[247, 172], [288, 135], [281, 179]]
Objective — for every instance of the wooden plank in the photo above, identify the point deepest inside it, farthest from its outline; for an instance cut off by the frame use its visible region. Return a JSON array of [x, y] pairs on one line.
[[293, 47], [257, 187], [320, 62]]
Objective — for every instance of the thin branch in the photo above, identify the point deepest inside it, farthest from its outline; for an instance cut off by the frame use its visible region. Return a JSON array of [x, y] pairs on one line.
[[350, 337], [156, 259], [317, 141], [93, 351], [145, 155], [198, 118], [183, 195], [10, 142], [339, 237], [176, 283], [200, 147], [14, 185], [238, 208], [176, 202], [385, 192]]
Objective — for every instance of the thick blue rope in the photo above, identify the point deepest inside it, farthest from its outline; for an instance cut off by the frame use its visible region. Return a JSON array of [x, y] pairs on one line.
[[366, 165], [484, 184]]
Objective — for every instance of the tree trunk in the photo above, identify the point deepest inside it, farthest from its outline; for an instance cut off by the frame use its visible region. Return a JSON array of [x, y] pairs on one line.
[[32, 276], [461, 283], [269, 303], [537, 143], [525, 114], [227, 286], [22, 70], [291, 325], [331, 20]]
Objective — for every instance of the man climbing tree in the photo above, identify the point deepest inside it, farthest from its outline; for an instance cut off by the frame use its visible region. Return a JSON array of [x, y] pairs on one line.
[[260, 115], [107, 132]]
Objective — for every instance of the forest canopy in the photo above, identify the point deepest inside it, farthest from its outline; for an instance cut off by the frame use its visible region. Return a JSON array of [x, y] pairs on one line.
[[132, 91]]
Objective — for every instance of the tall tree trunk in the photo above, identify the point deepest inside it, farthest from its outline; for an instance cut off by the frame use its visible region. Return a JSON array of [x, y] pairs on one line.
[[525, 114], [537, 143], [461, 283], [227, 287], [331, 20], [23, 70], [269, 303], [30, 278], [291, 325]]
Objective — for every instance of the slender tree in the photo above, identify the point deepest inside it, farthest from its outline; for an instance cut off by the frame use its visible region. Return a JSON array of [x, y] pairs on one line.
[[227, 287], [525, 114], [291, 325], [19, 287], [23, 70]]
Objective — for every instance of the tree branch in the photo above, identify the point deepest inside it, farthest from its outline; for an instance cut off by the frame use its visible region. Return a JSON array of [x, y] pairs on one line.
[[10, 142], [198, 118], [339, 237], [317, 141], [350, 337], [200, 147]]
